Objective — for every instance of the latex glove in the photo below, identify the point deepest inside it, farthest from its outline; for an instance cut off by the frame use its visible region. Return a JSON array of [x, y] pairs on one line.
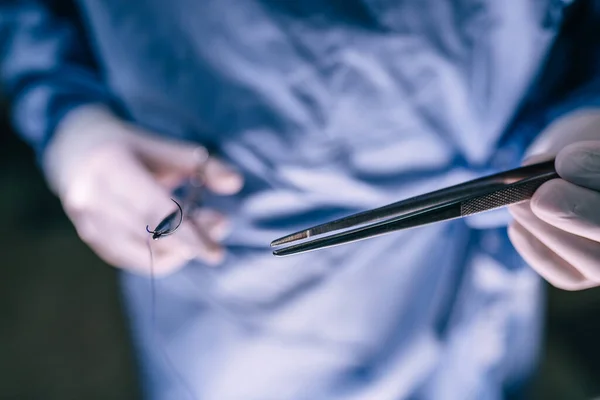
[[558, 231], [113, 179]]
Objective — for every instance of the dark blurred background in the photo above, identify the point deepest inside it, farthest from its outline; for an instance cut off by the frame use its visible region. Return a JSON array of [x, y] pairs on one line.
[[63, 334]]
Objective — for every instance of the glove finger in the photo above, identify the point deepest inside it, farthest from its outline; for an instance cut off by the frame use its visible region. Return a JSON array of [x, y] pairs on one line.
[[579, 163], [191, 241], [135, 189], [215, 224], [118, 235], [167, 154], [538, 158], [548, 264], [183, 246], [169, 255], [221, 178], [122, 251], [151, 211], [202, 246], [568, 207], [123, 179], [171, 180], [172, 159], [581, 253], [128, 248]]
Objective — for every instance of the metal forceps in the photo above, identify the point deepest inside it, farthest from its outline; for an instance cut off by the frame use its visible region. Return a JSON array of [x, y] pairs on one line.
[[192, 199], [473, 197]]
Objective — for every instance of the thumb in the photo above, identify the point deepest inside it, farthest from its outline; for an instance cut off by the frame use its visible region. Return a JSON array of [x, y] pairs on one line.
[[176, 159], [167, 155], [579, 163]]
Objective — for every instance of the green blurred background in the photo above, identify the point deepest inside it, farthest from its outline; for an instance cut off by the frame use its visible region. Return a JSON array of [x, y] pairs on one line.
[[63, 334]]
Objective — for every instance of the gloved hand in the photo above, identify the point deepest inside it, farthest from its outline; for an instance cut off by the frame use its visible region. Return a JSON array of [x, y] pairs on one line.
[[113, 179], [558, 231]]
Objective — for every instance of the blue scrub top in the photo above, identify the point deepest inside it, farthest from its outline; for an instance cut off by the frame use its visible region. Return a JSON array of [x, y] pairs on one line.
[[327, 108]]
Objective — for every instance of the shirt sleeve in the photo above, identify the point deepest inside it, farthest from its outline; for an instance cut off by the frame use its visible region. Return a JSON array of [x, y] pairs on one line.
[[570, 81], [46, 68]]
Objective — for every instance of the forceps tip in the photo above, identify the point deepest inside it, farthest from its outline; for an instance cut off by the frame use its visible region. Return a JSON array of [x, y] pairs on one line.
[[290, 238], [288, 251]]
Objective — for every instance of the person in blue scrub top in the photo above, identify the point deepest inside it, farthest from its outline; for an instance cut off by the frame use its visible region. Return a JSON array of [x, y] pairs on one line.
[[313, 110]]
